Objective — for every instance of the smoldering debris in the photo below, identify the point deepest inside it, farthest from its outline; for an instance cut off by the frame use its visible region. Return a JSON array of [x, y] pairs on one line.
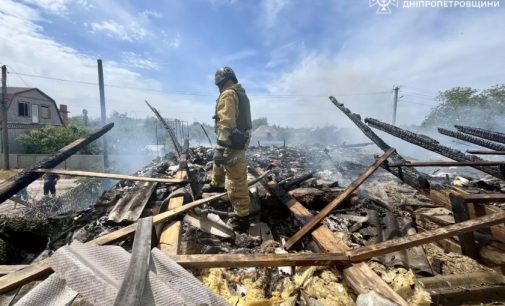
[[382, 209]]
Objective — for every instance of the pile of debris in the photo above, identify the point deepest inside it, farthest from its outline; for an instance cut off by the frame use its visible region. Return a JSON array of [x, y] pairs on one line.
[[337, 226]]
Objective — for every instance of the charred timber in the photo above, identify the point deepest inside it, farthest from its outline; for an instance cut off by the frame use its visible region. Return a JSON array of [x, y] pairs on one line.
[[476, 140], [483, 133], [433, 145], [169, 129], [447, 164], [12, 185], [408, 175], [484, 152]]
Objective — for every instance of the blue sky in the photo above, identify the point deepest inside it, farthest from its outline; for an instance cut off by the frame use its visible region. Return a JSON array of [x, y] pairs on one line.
[[289, 54]]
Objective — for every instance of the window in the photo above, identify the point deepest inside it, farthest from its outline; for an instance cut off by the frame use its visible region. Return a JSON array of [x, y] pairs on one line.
[[35, 113], [44, 112], [23, 109]]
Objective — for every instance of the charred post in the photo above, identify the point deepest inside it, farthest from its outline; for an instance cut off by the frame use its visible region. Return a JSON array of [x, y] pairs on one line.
[[169, 129], [11, 186], [483, 133], [476, 140], [410, 176], [432, 145]]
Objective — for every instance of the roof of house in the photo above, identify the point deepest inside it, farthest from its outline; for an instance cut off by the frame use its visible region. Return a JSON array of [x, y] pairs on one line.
[[13, 91], [17, 90]]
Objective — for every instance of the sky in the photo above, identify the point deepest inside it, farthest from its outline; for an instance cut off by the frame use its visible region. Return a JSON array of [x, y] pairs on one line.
[[289, 55]]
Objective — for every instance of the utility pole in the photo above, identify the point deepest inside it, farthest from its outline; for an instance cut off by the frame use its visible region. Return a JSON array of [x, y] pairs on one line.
[[5, 134], [395, 103], [103, 112]]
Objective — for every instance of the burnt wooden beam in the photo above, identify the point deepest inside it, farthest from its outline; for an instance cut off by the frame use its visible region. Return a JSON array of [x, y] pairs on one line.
[[485, 152], [433, 145], [408, 175], [338, 200], [460, 213], [170, 238], [12, 185], [360, 277], [41, 268], [483, 133], [131, 289], [130, 207], [201, 261], [475, 140], [382, 248], [447, 164], [114, 176], [171, 133], [483, 197]]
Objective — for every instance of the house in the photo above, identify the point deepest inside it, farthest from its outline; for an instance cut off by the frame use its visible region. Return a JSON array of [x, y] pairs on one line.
[[28, 109]]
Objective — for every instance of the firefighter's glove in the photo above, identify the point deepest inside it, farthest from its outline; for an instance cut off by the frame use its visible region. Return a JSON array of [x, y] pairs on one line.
[[219, 158]]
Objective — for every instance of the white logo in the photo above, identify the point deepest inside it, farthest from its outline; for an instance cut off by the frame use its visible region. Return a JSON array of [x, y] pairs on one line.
[[383, 5]]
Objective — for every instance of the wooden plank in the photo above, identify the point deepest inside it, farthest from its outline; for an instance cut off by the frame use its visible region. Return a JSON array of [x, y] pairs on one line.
[[447, 244], [115, 176], [462, 280], [15, 183], [6, 269], [484, 198], [41, 268], [382, 248], [361, 278], [460, 213], [337, 201], [35, 271], [442, 197], [170, 237], [477, 210], [261, 260], [132, 287], [447, 163], [130, 208]]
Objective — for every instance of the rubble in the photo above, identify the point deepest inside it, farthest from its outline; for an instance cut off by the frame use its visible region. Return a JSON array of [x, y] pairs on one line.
[[382, 239]]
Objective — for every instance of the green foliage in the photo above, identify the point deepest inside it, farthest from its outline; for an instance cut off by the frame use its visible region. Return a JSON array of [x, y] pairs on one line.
[[465, 105], [50, 139], [259, 122]]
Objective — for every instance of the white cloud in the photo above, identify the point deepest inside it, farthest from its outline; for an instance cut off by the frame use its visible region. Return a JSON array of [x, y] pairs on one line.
[[53, 6], [285, 54], [175, 42], [270, 11], [404, 50], [135, 60], [31, 52], [129, 32], [239, 55], [58, 7], [148, 14], [222, 2]]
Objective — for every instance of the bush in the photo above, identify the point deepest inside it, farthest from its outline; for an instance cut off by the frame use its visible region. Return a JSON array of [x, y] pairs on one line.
[[468, 106], [50, 139]]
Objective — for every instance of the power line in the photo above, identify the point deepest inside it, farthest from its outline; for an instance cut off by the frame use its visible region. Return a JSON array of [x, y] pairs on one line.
[[197, 93], [423, 89], [19, 76], [410, 102]]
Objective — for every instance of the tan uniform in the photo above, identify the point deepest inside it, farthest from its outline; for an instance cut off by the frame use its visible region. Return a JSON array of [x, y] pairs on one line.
[[233, 175]]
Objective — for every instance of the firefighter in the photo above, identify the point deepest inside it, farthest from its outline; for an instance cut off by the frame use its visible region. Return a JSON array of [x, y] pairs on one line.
[[50, 181], [233, 130]]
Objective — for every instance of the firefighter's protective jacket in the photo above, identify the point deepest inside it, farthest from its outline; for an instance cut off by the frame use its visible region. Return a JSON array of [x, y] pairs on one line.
[[232, 111]]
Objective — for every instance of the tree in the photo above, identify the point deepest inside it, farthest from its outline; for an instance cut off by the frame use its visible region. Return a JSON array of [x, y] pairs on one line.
[[468, 106], [50, 139], [259, 122]]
